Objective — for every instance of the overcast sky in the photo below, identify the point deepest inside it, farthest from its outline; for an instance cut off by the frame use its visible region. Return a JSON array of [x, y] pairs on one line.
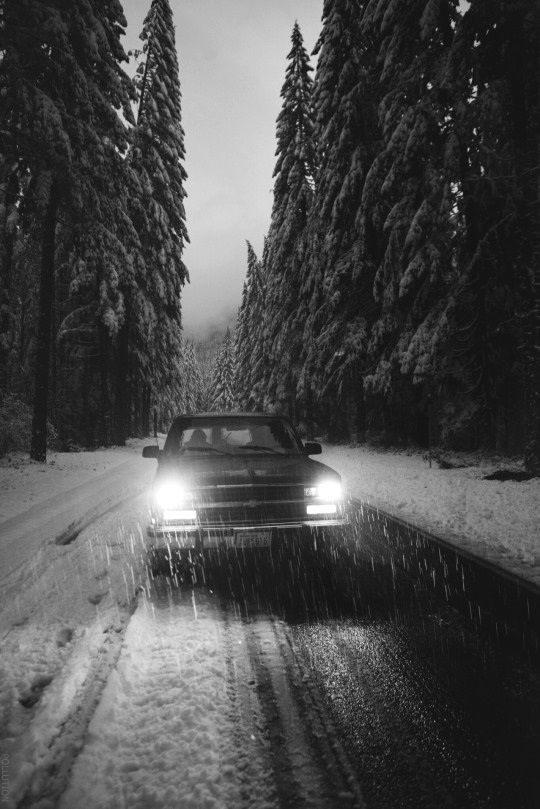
[[232, 56]]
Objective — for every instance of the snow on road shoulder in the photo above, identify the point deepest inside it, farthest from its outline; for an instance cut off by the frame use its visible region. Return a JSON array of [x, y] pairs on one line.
[[164, 733], [58, 640], [495, 520], [25, 483], [206, 709], [52, 504]]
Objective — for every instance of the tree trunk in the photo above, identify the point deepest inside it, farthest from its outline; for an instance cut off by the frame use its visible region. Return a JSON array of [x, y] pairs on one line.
[[146, 411], [105, 403], [121, 401], [53, 362], [532, 450], [6, 258], [38, 448], [526, 111], [361, 413], [136, 398], [351, 414]]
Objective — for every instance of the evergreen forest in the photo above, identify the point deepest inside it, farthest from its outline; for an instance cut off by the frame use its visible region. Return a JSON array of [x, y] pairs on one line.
[[397, 297], [92, 225]]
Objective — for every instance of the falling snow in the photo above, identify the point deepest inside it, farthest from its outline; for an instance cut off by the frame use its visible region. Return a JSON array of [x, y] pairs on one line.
[[72, 555]]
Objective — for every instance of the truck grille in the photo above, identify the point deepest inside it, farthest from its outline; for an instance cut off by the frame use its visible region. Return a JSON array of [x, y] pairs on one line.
[[250, 505], [245, 493]]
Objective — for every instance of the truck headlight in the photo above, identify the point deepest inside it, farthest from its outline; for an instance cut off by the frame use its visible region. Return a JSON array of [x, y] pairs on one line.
[[321, 508], [329, 491], [171, 494], [324, 497]]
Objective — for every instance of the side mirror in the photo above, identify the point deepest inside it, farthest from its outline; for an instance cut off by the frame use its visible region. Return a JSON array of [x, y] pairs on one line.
[[312, 448], [151, 452]]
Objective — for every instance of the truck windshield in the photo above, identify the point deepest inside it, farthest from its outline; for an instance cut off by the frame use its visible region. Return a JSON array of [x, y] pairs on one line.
[[231, 435]]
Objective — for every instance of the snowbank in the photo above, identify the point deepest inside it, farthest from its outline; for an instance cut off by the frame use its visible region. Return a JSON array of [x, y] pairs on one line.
[[70, 565], [53, 502], [171, 745], [25, 483], [498, 521]]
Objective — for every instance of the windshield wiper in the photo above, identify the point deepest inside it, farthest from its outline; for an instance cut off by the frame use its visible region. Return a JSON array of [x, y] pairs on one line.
[[260, 447], [206, 449]]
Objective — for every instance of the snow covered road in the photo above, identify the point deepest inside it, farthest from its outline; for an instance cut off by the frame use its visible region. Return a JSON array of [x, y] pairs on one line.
[[274, 686], [72, 559], [203, 711], [56, 514]]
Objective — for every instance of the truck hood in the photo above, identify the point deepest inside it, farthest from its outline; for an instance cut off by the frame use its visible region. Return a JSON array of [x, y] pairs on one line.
[[238, 470]]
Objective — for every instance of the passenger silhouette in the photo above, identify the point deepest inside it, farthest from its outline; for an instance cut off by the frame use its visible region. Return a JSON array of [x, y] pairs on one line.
[[198, 439]]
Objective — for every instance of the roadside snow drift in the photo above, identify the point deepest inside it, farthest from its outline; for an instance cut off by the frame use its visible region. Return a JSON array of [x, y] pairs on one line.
[[495, 520]]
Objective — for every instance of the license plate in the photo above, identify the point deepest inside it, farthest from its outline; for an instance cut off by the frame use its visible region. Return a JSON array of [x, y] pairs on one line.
[[253, 539]]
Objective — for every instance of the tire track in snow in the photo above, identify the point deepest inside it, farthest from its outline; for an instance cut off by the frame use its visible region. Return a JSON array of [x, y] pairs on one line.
[[272, 696], [56, 737], [247, 750], [325, 735], [173, 728], [311, 767], [206, 709], [26, 538]]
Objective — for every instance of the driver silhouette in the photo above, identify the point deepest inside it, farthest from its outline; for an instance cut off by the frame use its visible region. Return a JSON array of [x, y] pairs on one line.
[[198, 439]]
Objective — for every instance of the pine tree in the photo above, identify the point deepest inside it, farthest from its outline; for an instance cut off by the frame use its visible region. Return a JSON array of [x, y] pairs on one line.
[[98, 242], [250, 360], [34, 145], [193, 380], [158, 213], [492, 373], [259, 360], [206, 351], [10, 181], [412, 190], [340, 247], [223, 377], [62, 88], [294, 171], [242, 348]]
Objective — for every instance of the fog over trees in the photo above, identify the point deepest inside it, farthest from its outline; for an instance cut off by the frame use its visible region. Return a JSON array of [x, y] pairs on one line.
[[396, 299]]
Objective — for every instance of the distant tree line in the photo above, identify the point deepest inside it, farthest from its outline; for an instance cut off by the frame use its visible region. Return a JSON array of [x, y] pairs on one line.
[[92, 223], [397, 297]]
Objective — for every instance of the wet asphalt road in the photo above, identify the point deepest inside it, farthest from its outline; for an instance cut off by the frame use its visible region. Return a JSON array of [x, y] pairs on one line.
[[427, 668]]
